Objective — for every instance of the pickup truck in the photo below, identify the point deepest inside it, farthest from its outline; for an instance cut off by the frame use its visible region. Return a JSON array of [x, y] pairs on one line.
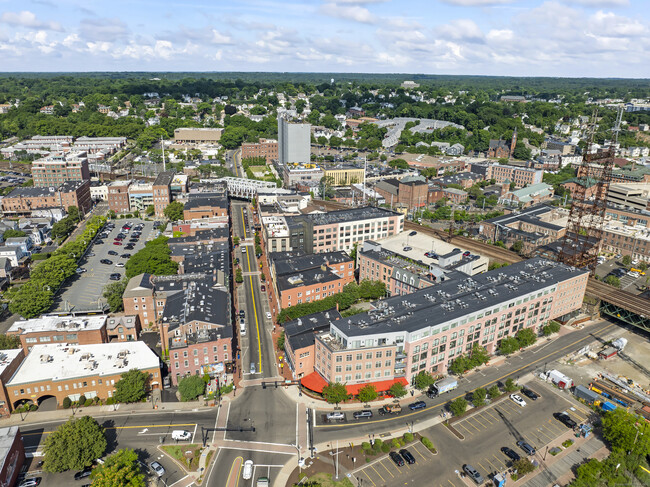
[[390, 409]]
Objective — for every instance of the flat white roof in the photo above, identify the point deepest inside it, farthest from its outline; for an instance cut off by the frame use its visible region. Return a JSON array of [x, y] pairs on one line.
[[63, 362], [6, 357], [58, 323]]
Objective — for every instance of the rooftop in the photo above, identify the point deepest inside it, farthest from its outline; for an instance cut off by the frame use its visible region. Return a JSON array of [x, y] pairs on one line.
[[347, 215], [300, 333], [6, 357], [202, 336], [196, 300], [164, 178], [126, 321], [7, 438], [62, 362], [291, 264], [58, 323], [306, 277], [454, 299]]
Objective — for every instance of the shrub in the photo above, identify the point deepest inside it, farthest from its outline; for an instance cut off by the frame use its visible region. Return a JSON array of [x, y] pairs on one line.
[[510, 385], [428, 443], [567, 443], [82, 400], [33, 407], [67, 402], [494, 391], [385, 448], [378, 444], [523, 466], [366, 445], [458, 407], [89, 402], [408, 437], [110, 401]]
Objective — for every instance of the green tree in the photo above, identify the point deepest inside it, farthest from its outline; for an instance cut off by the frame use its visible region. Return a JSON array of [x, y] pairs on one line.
[[239, 276], [458, 406], [74, 445], [523, 466], [113, 293], [132, 386], [154, 259], [335, 393], [32, 299], [626, 432], [478, 397], [326, 187], [63, 228], [150, 210], [612, 281], [510, 385], [73, 214], [9, 342], [526, 337], [517, 246], [494, 391], [191, 387], [627, 260], [11, 233], [367, 393], [235, 240], [174, 211], [121, 469], [399, 164], [423, 380], [460, 365], [280, 342], [397, 390], [508, 345]]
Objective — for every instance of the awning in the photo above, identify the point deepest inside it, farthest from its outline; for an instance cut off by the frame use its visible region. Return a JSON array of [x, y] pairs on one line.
[[313, 382], [380, 386]]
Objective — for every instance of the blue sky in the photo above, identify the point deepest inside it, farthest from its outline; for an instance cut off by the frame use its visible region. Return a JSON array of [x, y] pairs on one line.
[[591, 38]]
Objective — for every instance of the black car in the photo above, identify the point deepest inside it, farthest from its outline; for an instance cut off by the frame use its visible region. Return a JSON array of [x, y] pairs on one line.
[[106, 261], [529, 393], [413, 233], [395, 457], [115, 277], [407, 456], [99, 242], [242, 313], [125, 256], [83, 474], [129, 247], [565, 419], [414, 406], [510, 453], [133, 240], [112, 252]]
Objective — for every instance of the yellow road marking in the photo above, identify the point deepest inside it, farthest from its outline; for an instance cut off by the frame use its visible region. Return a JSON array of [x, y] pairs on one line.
[[484, 469], [386, 468], [461, 426], [451, 482], [369, 478], [495, 468], [257, 324], [499, 461], [540, 359], [239, 460], [382, 478], [418, 452], [478, 419], [493, 416], [472, 424], [121, 428]]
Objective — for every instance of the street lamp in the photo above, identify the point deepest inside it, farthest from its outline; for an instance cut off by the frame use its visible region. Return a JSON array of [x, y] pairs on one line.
[[297, 447]]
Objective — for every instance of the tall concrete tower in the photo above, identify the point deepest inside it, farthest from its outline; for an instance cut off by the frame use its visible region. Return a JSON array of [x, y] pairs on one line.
[[294, 141]]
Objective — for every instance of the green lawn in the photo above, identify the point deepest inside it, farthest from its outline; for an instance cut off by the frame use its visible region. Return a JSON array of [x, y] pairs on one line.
[[325, 480]]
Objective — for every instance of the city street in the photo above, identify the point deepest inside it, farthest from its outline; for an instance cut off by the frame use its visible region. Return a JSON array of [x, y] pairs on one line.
[[84, 291]]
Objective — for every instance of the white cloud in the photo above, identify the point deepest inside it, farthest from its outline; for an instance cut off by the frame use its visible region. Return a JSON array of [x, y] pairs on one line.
[[476, 3], [26, 18], [609, 24], [219, 38], [103, 29], [351, 12], [461, 29], [499, 35], [601, 3]]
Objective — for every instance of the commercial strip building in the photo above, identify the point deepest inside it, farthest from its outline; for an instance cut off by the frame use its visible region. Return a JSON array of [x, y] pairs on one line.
[[197, 135], [331, 231], [294, 174], [244, 187], [62, 370], [299, 278], [199, 207], [266, 148], [22, 201], [426, 330]]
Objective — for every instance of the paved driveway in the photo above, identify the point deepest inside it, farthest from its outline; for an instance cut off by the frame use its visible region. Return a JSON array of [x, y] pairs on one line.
[[84, 291]]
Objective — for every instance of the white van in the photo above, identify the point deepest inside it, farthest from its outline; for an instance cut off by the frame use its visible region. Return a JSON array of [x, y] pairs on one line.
[[242, 327], [181, 435]]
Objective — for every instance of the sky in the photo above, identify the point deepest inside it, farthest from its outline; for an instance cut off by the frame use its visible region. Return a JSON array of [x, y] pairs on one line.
[[567, 38]]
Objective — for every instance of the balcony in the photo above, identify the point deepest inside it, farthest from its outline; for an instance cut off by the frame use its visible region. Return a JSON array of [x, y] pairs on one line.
[[400, 355], [400, 365], [401, 373]]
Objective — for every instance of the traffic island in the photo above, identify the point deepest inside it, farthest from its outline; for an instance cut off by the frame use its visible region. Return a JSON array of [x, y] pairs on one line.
[[192, 458]]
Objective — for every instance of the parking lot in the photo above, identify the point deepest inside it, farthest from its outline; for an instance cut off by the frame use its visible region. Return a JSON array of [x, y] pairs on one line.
[[632, 284], [485, 433], [84, 291], [385, 472]]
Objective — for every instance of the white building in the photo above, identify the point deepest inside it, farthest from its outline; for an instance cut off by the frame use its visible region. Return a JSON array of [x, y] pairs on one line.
[[294, 142]]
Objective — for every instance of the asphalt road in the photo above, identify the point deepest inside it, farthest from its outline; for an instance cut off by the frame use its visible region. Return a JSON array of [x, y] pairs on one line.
[[515, 367], [84, 291], [141, 432], [230, 462]]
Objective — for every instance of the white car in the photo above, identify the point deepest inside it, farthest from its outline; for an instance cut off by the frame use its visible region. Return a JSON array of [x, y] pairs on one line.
[[334, 416], [518, 400], [157, 468], [248, 469], [268, 315], [181, 435], [119, 264]]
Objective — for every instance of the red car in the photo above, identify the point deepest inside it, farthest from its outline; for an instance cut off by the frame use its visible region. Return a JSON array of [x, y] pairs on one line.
[[117, 243]]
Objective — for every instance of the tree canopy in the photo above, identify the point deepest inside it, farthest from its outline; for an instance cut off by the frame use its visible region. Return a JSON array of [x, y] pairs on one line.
[[121, 469], [74, 445], [191, 387], [335, 393], [132, 386], [154, 259], [174, 211]]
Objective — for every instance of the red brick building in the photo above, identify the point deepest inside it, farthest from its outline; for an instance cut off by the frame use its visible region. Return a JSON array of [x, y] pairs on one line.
[[21, 201], [162, 193], [81, 330], [198, 208], [10, 360], [411, 191], [118, 196], [12, 455], [266, 148]]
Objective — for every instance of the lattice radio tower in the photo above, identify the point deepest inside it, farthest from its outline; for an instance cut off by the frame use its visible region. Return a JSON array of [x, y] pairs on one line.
[[581, 244]]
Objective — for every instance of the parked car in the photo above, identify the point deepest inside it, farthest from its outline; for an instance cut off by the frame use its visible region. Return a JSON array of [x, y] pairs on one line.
[[83, 474], [106, 261], [396, 457], [527, 447], [407, 456], [242, 313], [565, 419], [129, 247], [473, 474], [115, 276], [30, 482], [517, 399], [80, 270], [158, 469], [335, 416], [262, 288], [414, 406], [248, 470], [366, 413], [117, 243], [112, 252], [119, 264], [125, 256], [268, 315], [529, 393], [181, 435], [510, 453], [413, 233]]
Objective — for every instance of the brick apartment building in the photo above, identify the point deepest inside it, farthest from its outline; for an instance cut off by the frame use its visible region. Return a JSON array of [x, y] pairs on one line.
[[62, 370], [199, 207], [10, 360], [627, 240], [305, 278], [436, 193], [162, 193], [78, 330], [266, 148], [411, 191], [118, 196], [299, 340], [402, 336], [12, 455], [57, 169], [21, 201], [521, 176]]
